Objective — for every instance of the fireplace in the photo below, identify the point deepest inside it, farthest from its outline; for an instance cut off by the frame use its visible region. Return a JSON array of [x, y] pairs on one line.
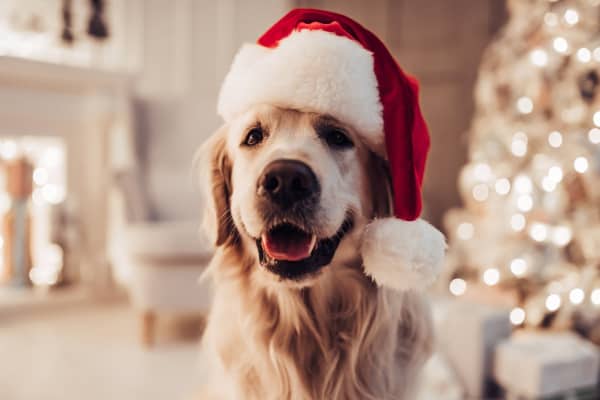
[[64, 121]]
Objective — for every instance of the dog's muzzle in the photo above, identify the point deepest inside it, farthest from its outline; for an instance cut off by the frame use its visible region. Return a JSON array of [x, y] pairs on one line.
[[288, 192]]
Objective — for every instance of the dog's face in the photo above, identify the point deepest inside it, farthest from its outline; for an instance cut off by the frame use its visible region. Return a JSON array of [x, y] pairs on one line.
[[293, 188]]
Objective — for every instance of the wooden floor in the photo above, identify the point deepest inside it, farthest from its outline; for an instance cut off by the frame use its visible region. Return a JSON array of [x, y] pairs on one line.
[[92, 352]]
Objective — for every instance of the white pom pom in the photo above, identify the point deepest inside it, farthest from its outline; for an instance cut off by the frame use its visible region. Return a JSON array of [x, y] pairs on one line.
[[401, 254]]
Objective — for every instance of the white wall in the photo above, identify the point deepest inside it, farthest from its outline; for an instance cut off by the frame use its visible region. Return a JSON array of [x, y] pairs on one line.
[[188, 46]]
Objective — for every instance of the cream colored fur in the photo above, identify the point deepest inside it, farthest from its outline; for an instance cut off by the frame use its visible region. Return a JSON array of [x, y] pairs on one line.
[[334, 336]]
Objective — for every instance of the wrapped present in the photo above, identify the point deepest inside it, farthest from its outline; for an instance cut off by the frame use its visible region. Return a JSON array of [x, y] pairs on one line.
[[468, 333], [538, 364]]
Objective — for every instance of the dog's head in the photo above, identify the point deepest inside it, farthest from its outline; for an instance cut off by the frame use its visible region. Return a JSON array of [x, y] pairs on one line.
[[294, 189]]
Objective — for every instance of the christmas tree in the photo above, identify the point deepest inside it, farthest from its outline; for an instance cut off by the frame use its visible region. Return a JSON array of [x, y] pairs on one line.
[[529, 232]]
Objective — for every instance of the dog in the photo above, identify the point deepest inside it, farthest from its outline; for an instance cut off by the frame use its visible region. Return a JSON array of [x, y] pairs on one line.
[[288, 196]]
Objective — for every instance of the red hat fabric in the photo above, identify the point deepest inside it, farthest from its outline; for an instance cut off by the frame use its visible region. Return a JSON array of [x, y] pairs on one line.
[[375, 94]]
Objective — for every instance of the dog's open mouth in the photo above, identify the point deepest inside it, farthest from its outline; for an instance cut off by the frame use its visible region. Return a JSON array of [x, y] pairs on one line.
[[287, 242], [291, 252]]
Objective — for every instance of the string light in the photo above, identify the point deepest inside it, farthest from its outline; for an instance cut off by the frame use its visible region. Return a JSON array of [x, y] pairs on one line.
[[553, 302], [9, 150], [538, 57], [482, 172], [518, 267], [517, 222], [594, 135], [596, 54], [538, 232], [458, 286], [584, 55], [555, 139], [576, 296], [465, 230], [502, 186], [524, 105], [491, 276], [524, 203], [571, 16], [556, 173], [523, 184], [580, 164], [596, 118], [519, 144], [40, 176], [560, 44], [517, 316], [548, 184], [561, 235], [480, 192], [595, 297]]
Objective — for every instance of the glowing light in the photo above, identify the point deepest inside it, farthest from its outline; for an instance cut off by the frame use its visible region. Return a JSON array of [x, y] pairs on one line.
[[594, 135], [518, 267], [571, 16], [596, 118], [524, 105], [9, 150], [491, 276], [580, 164], [53, 194], [517, 222], [538, 57], [553, 302], [458, 286], [502, 186], [482, 172], [523, 184], [596, 54], [561, 235], [465, 230], [524, 203], [52, 156], [595, 297], [555, 139], [584, 55], [40, 176], [517, 316], [556, 173], [551, 19], [560, 44], [519, 144], [576, 296], [548, 184], [48, 272], [538, 232], [480, 192]]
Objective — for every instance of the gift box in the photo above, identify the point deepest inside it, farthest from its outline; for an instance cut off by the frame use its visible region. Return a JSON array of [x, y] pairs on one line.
[[467, 334], [537, 364]]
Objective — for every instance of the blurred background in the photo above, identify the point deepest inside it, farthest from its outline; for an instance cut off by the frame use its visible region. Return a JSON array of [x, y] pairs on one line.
[[104, 102]]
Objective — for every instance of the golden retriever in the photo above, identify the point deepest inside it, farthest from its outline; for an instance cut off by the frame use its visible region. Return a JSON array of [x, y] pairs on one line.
[[294, 315]]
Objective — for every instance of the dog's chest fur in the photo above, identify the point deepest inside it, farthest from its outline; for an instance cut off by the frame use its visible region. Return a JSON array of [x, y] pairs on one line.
[[341, 339]]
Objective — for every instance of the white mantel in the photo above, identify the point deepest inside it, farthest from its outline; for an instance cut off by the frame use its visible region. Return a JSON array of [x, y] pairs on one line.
[[85, 107]]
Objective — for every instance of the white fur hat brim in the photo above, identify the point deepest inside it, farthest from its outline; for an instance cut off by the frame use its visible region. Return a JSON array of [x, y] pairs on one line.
[[401, 254], [310, 70]]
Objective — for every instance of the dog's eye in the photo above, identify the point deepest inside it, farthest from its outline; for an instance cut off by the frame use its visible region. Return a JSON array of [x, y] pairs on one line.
[[338, 139], [254, 137]]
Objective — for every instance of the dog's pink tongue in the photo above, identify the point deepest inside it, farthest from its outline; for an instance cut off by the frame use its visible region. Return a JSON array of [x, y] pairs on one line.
[[288, 246]]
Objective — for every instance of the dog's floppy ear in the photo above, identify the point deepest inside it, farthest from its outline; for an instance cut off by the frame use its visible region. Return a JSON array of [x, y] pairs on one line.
[[381, 186], [214, 169]]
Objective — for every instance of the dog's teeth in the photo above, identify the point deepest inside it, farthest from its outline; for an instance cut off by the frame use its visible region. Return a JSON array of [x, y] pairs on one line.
[[313, 242]]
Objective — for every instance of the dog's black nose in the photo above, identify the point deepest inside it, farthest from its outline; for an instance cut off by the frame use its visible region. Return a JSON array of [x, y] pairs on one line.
[[286, 182]]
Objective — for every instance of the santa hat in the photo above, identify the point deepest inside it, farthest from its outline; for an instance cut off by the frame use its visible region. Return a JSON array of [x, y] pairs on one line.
[[324, 62]]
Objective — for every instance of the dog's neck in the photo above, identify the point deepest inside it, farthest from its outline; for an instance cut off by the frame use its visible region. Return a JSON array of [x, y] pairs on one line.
[[310, 343]]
